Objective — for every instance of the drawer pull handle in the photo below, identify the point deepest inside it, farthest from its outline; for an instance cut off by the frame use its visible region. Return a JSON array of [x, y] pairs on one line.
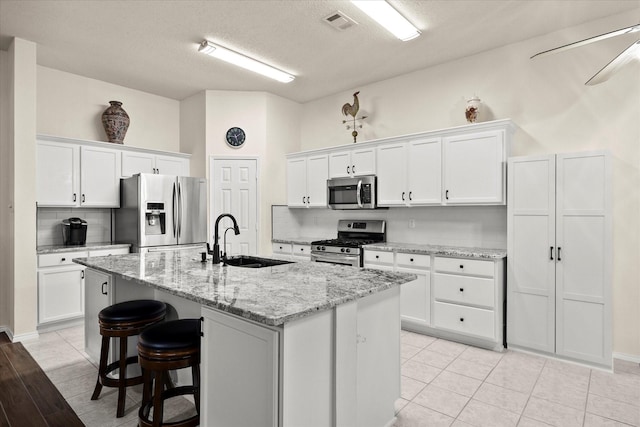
[[104, 292], [461, 289], [462, 319], [461, 266], [82, 274], [63, 259]]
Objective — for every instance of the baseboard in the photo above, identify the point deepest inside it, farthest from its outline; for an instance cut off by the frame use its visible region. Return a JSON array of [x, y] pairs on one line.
[[627, 357], [7, 331], [25, 337]]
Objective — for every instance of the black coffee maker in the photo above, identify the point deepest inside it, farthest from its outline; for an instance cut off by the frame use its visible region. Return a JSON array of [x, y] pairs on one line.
[[74, 231]]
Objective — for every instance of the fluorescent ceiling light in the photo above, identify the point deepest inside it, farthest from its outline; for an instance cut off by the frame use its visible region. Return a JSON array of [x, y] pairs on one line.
[[245, 62], [389, 18]]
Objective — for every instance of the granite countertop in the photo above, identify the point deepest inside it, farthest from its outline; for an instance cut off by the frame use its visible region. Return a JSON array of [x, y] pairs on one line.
[[456, 251], [49, 249], [271, 295], [299, 240]]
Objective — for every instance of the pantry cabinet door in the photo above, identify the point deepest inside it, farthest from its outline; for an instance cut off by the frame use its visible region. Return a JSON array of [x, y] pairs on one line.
[[57, 174], [100, 177]]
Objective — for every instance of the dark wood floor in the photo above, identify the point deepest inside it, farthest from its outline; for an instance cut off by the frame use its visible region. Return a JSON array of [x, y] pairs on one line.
[[27, 396]]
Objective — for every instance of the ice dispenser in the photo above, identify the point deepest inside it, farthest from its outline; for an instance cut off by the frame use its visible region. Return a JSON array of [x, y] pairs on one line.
[[155, 218]]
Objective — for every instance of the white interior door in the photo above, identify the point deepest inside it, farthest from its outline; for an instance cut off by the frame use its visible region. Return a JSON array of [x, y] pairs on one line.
[[234, 190]]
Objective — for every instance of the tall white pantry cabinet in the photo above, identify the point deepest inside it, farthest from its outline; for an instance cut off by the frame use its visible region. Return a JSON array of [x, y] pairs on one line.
[[559, 255]]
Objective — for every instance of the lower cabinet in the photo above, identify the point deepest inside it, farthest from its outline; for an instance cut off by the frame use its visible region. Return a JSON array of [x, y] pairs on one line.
[[99, 288], [461, 299], [295, 249]]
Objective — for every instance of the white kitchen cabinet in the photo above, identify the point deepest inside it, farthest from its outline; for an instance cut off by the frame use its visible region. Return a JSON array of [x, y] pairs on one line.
[[139, 162], [409, 173], [281, 248], [474, 168], [247, 364], [99, 294], [415, 297], [559, 255], [298, 250], [60, 287], [77, 176], [307, 181], [99, 177], [352, 162]]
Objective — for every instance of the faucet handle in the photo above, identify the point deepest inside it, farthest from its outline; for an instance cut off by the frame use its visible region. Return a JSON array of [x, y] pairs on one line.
[[209, 251]]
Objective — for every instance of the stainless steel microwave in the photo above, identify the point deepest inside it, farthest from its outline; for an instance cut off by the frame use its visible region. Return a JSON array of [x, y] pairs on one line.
[[352, 193]]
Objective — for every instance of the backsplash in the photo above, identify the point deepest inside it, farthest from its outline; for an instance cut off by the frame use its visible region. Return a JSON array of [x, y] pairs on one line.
[[49, 224], [468, 226]]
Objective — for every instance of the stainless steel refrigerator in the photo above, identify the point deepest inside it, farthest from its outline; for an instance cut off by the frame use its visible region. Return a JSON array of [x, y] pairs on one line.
[[160, 212]]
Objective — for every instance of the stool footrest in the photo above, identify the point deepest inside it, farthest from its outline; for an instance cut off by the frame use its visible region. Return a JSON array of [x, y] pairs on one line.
[[145, 409]]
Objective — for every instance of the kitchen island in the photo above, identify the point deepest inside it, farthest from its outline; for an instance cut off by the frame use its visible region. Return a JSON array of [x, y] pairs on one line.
[[299, 344]]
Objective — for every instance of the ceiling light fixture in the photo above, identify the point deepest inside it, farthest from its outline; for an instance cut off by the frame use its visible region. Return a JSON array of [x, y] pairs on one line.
[[384, 14], [245, 62]]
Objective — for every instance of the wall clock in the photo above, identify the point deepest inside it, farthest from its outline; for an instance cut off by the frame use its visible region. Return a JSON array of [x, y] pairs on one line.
[[235, 137]]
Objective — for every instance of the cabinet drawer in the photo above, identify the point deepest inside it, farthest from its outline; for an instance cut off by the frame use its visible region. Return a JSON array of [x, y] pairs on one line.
[[281, 248], [475, 267], [106, 252], [381, 258], [464, 290], [59, 258], [301, 250], [465, 320], [418, 261]]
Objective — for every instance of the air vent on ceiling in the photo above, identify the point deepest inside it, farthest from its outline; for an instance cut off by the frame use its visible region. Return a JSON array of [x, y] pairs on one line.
[[339, 21]]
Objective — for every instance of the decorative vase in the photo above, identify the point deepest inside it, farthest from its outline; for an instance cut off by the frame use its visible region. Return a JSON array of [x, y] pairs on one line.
[[116, 122], [473, 109]]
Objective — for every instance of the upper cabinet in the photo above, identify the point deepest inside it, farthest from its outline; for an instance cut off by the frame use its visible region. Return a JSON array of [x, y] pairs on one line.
[[474, 168], [76, 173], [139, 162], [307, 181], [465, 165], [352, 162]]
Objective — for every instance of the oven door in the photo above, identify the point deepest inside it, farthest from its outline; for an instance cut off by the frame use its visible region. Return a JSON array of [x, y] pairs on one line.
[[353, 260]]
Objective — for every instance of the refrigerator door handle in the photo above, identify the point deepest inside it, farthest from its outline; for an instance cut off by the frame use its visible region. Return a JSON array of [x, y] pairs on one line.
[[179, 210], [174, 209]]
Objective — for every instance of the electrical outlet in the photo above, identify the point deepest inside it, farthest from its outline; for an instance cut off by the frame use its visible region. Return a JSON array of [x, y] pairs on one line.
[[412, 223]]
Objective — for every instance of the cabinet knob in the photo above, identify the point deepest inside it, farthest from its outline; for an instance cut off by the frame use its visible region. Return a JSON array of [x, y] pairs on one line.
[[377, 256], [82, 274], [74, 197], [403, 196], [461, 266], [410, 192], [411, 259], [348, 170], [303, 199], [308, 199], [63, 259], [83, 198], [353, 168], [158, 170], [461, 289], [280, 247], [462, 319], [446, 194], [302, 249]]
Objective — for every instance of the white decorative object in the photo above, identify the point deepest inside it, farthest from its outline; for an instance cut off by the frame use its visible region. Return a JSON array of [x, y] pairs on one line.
[[473, 109]]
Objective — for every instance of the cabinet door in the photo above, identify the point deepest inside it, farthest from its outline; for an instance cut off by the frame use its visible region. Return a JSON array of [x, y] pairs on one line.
[[363, 161], [583, 259], [424, 180], [297, 182], [98, 295], [474, 168], [60, 293], [99, 177], [167, 165], [317, 174], [134, 162], [340, 164], [57, 174], [239, 371], [531, 295], [415, 299], [391, 171]]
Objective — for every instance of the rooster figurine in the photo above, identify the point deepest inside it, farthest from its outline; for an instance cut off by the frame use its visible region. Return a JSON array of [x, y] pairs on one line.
[[352, 110]]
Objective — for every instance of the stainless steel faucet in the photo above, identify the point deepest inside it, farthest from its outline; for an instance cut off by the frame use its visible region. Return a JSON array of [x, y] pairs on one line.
[[216, 247]]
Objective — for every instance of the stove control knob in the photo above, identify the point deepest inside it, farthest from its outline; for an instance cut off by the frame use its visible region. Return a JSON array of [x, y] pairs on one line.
[[323, 248], [348, 250], [341, 249], [317, 248]]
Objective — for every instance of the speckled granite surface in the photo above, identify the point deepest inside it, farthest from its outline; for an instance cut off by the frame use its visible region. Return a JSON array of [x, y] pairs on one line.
[[88, 247], [271, 295], [299, 240], [456, 251]]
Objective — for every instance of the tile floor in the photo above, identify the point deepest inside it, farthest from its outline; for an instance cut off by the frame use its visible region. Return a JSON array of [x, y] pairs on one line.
[[443, 384], [450, 384]]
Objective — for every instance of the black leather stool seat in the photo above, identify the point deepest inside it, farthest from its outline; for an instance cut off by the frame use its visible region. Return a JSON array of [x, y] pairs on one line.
[[162, 348], [132, 311], [172, 335]]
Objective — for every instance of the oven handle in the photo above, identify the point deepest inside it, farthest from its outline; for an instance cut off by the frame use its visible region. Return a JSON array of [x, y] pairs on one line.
[[353, 260], [358, 193]]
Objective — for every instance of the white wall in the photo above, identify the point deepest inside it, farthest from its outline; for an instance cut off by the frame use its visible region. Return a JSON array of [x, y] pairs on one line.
[[6, 180], [70, 105], [554, 110], [193, 125], [270, 124]]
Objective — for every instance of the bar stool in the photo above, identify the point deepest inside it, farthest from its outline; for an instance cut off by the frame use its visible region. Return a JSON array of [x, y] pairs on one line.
[[163, 348], [123, 320]]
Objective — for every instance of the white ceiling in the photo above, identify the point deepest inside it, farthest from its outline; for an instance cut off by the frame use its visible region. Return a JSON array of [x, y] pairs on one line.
[[152, 45]]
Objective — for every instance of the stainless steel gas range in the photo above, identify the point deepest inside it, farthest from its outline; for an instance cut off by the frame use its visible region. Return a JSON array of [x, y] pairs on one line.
[[347, 248]]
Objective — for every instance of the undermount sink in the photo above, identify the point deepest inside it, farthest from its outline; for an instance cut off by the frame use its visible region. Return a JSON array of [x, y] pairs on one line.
[[254, 262]]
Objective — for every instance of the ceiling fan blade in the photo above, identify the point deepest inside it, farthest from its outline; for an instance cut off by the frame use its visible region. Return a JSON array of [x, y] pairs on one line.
[[604, 36], [626, 56]]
